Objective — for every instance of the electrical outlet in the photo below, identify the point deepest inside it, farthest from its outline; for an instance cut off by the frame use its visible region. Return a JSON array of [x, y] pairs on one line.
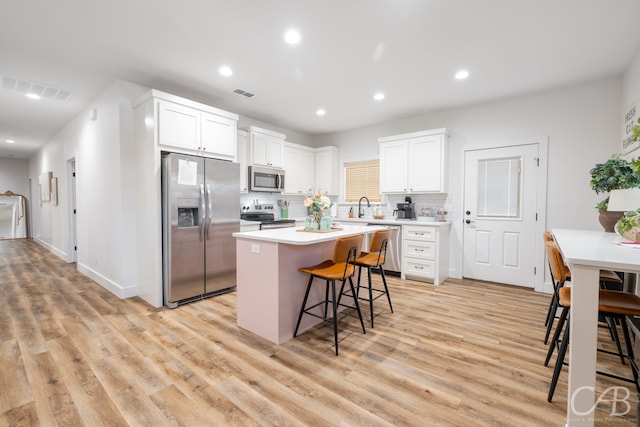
[[255, 249]]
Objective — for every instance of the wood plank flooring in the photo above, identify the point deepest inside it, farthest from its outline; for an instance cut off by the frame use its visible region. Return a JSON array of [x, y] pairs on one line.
[[463, 354]]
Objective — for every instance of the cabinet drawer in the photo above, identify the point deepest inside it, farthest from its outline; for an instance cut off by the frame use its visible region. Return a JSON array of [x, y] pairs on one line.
[[419, 267], [426, 250], [420, 233]]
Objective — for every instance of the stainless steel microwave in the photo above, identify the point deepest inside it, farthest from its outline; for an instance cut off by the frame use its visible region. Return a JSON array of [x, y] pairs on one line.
[[266, 179]]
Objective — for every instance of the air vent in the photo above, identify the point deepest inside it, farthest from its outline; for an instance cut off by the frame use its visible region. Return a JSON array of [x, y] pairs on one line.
[[244, 93], [41, 89]]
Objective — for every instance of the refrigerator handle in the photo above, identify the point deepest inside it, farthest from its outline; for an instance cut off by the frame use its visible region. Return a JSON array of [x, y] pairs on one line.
[[203, 215], [209, 209]]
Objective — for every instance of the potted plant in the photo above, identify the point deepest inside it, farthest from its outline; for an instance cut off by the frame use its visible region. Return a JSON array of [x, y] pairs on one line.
[[614, 174]]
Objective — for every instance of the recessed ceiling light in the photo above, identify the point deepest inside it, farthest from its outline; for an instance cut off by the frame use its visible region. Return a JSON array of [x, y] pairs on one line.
[[378, 96], [225, 71], [292, 37], [321, 112], [10, 141], [33, 95], [462, 74]]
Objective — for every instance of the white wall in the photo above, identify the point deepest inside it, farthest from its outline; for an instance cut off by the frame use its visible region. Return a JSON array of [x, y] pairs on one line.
[[630, 98], [581, 123], [14, 176], [104, 193]]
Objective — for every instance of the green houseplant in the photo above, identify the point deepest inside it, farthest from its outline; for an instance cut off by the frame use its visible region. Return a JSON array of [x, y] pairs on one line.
[[614, 174]]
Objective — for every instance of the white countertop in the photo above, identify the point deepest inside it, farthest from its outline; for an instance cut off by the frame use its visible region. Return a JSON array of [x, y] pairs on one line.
[[292, 236], [393, 221], [597, 249]]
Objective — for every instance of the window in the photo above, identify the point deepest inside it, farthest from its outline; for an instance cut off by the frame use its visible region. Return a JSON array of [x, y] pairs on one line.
[[499, 188], [362, 179]]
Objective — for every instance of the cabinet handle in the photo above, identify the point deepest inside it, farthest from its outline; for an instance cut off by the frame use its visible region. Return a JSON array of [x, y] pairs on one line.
[[419, 267], [419, 250]]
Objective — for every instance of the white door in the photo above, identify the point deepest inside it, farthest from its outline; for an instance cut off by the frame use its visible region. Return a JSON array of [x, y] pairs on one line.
[[72, 254], [500, 201]]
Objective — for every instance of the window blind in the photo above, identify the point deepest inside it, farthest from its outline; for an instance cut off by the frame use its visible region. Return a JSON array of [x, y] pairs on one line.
[[362, 179]]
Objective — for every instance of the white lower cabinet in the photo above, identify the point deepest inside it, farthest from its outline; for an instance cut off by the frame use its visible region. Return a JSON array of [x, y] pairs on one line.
[[425, 252]]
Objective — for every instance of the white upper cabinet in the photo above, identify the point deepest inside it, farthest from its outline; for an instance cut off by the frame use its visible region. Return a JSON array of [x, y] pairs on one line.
[[327, 170], [195, 128], [414, 163], [299, 164], [243, 142], [393, 167], [178, 126], [218, 135], [267, 147]]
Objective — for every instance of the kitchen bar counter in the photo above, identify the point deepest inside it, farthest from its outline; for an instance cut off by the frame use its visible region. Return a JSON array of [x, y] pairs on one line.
[[586, 253], [269, 286]]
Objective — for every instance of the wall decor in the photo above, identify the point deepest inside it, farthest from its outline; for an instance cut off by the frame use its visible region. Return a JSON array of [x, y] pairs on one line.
[[54, 191], [45, 186], [631, 119]]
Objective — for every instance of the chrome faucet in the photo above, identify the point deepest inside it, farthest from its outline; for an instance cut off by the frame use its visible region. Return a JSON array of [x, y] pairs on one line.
[[360, 211]]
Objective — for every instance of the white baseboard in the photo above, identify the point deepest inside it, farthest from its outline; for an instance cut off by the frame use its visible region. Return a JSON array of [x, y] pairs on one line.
[[108, 284], [57, 252]]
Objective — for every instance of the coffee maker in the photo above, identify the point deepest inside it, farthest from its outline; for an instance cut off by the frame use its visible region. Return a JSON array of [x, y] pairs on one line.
[[405, 210]]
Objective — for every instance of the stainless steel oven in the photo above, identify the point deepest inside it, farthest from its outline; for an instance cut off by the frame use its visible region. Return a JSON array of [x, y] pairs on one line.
[[266, 179]]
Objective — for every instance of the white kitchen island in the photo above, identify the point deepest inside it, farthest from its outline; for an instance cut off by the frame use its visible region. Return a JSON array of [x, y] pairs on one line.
[[270, 288]]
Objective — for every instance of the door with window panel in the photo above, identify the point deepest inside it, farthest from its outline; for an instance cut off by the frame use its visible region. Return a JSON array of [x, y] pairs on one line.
[[500, 214]]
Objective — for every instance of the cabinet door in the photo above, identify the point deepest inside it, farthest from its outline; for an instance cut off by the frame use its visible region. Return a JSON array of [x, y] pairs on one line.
[[424, 164], [275, 152], [259, 149], [327, 175], [298, 165], [393, 167], [218, 136], [242, 159], [178, 126]]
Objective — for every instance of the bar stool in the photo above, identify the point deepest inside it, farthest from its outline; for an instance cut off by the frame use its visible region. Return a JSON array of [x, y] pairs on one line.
[[340, 267], [613, 304], [374, 259], [560, 274]]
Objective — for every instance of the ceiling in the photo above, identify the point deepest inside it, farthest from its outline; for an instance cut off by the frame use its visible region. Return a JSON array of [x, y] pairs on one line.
[[408, 49]]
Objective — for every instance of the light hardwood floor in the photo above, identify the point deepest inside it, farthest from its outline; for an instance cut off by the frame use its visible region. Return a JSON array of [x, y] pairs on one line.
[[465, 353]]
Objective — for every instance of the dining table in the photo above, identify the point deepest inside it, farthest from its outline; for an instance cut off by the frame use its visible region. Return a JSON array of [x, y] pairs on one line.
[[586, 252]]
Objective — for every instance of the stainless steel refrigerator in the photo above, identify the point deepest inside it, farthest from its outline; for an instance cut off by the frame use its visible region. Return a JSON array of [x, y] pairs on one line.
[[201, 209]]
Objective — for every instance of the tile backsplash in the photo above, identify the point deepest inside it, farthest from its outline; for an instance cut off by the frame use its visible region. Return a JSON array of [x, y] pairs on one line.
[[387, 206]]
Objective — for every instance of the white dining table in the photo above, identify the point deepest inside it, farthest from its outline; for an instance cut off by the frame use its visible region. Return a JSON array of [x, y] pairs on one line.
[[586, 253]]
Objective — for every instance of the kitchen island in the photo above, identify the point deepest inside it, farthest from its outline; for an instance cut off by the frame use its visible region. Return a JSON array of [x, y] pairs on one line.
[[270, 288]]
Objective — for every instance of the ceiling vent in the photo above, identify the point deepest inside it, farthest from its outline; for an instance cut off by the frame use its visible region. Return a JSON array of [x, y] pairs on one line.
[[41, 89], [244, 93]]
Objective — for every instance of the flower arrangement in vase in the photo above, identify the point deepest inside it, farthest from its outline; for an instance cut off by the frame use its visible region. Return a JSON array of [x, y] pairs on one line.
[[317, 203], [629, 225]]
